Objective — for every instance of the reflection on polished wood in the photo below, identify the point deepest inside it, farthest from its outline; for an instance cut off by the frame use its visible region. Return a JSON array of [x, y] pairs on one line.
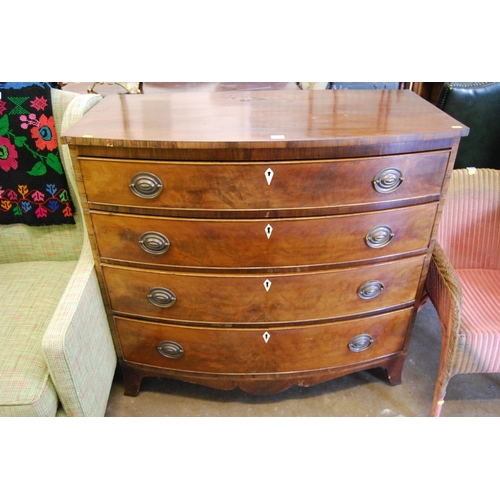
[[268, 120]]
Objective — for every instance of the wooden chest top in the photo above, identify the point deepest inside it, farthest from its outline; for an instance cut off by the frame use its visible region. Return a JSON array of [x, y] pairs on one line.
[[343, 123]]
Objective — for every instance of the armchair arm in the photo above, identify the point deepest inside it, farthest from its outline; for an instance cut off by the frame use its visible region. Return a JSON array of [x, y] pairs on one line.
[[444, 289], [77, 345], [443, 286]]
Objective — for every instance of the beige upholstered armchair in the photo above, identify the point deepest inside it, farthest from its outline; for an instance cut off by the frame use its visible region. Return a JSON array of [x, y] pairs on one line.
[[56, 352], [464, 278]]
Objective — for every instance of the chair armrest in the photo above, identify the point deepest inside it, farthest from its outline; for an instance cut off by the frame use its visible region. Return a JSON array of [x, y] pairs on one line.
[[78, 347], [443, 285], [445, 291]]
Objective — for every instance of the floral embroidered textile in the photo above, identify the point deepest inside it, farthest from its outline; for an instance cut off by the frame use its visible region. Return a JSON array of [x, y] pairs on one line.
[[33, 186]]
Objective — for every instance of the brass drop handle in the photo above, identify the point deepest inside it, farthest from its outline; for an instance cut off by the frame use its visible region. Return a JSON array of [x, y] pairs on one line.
[[388, 180], [154, 243], [379, 236], [360, 342], [146, 185], [370, 289], [170, 349], [161, 297]]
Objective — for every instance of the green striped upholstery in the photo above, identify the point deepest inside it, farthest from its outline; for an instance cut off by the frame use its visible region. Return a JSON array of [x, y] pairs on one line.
[[56, 352]]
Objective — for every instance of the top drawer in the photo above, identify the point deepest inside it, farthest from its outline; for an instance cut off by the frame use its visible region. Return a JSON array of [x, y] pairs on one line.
[[262, 186]]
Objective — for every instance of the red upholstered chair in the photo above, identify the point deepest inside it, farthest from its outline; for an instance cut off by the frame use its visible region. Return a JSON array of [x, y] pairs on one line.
[[464, 278]]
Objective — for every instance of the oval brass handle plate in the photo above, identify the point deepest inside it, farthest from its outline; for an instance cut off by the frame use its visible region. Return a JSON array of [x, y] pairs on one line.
[[361, 342], [370, 289], [146, 185], [388, 180], [170, 349], [379, 236], [161, 297], [154, 243]]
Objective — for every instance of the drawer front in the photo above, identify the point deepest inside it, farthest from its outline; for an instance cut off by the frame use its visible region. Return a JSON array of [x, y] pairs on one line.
[[263, 185], [269, 298], [262, 243], [231, 351]]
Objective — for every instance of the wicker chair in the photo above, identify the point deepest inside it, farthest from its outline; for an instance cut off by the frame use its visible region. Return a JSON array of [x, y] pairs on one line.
[[464, 278]]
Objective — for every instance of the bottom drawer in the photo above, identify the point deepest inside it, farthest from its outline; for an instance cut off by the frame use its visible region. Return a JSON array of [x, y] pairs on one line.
[[272, 350]]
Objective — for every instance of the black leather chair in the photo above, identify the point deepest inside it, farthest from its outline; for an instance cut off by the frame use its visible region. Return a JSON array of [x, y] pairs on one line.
[[476, 105]]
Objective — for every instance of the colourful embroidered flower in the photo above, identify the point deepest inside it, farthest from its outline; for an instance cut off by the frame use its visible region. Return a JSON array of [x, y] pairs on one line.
[[45, 134], [53, 205], [8, 155], [39, 103], [67, 211], [41, 212], [29, 120], [26, 206], [5, 205], [37, 196], [3, 107]]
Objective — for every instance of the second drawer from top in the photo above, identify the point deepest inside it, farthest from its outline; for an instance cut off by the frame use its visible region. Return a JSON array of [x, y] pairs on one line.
[[264, 243]]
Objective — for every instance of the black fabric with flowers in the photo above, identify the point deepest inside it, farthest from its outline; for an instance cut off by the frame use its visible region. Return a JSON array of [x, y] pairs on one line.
[[33, 186]]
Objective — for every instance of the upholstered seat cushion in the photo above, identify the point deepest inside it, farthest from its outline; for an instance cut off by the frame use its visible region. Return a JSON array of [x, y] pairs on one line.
[[480, 321], [29, 295]]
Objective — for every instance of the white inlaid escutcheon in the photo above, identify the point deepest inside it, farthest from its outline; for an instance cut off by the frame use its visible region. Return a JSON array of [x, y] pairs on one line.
[[269, 175], [266, 337], [267, 285], [269, 230]]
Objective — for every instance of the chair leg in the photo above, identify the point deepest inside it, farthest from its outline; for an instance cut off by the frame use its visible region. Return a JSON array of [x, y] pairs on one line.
[[439, 395]]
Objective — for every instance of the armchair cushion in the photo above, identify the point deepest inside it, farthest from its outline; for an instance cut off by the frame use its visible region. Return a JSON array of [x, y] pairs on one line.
[[30, 294], [479, 321]]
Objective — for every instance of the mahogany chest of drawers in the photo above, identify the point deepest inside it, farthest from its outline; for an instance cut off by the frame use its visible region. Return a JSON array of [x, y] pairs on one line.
[[262, 239]]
